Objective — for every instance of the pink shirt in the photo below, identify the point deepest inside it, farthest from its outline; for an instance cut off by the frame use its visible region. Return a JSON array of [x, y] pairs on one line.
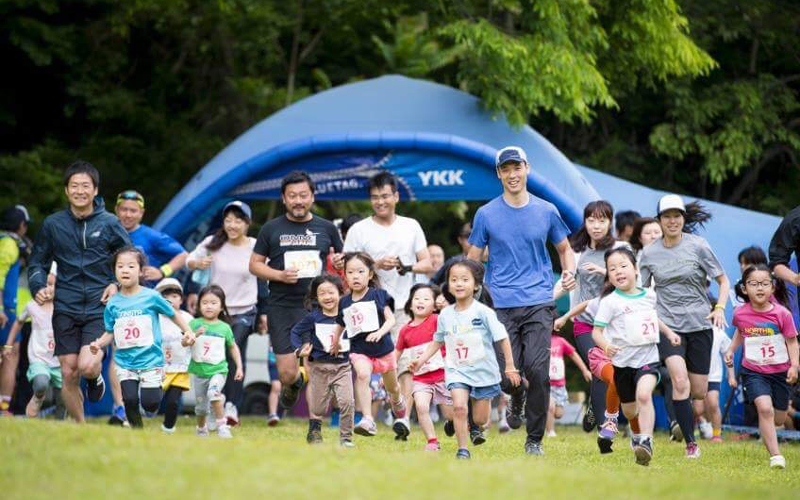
[[762, 327], [558, 349]]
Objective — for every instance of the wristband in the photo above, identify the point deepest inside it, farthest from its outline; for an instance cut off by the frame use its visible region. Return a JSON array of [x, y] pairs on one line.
[[6, 346], [166, 270], [512, 371], [719, 306]]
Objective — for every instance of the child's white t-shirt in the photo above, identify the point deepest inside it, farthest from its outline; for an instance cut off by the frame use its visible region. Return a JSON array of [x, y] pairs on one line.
[[41, 346], [630, 322]]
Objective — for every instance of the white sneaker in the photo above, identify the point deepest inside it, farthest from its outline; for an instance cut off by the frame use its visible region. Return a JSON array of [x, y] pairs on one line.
[[231, 414], [777, 462], [34, 406], [224, 432], [706, 429], [551, 434], [202, 431], [211, 423], [166, 430]]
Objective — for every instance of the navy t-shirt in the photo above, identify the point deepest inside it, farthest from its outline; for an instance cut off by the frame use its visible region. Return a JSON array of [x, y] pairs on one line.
[[305, 331], [358, 343]]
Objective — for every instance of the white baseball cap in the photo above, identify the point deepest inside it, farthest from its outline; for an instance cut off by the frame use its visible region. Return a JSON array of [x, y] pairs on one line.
[[670, 202], [169, 284]]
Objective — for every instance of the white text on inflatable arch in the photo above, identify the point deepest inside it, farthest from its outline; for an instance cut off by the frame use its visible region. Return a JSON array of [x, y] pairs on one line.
[[441, 177]]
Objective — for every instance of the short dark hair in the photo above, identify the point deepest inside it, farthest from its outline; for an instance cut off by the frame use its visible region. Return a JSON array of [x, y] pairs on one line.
[[752, 255], [297, 177], [625, 218], [414, 289], [382, 178], [349, 222], [82, 167]]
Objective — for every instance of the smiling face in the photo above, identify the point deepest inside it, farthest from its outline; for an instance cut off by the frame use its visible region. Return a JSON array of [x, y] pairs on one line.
[[130, 214], [328, 297], [234, 226], [357, 275], [210, 306], [672, 222], [298, 199], [461, 283], [650, 233], [383, 201], [423, 303], [621, 271], [81, 191], [759, 287], [513, 176], [127, 269]]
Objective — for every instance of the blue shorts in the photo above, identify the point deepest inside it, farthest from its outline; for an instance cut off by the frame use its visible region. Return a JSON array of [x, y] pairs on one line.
[[762, 384], [714, 386], [273, 371], [488, 392]]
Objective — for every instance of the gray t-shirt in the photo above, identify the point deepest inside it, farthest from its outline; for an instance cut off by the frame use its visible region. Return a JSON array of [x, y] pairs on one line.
[[680, 274], [590, 285]]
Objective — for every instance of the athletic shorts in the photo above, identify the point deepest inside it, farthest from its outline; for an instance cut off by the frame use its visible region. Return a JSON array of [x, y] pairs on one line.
[[559, 396], [280, 320], [148, 379], [438, 391], [176, 379], [52, 372], [714, 386], [695, 348], [379, 365], [773, 385], [489, 392], [626, 378], [207, 390], [73, 332], [597, 361]]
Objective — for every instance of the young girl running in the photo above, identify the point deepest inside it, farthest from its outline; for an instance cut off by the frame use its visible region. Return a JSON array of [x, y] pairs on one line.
[[209, 367], [770, 358], [626, 328], [415, 337], [469, 330], [328, 375], [176, 355], [366, 313], [558, 379], [132, 323]]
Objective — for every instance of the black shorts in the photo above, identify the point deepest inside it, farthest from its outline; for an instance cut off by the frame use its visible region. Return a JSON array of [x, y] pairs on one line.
[[626, 378], [714, 386], [73, 332], [773, 385], [280, 320], [695, 349]]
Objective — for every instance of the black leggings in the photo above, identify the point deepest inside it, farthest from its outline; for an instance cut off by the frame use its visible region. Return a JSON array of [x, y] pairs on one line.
[[666, 391], [150, 399], [172, 401], [242, 326]]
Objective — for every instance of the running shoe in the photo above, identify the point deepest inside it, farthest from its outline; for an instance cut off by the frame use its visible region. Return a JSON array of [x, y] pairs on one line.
[[401, 429], [273, 419], [692, 450], [366, 427], [534, 448], [477, 436], [346, 443], [449, 428], [716, 439], [588, 420], [463, 454], [231, 414], [118, 416], [291, 393], [643, 451], [34, 406], [96, 390], [706, 429], [777, 462], [432, 447], [551, 434], [212, 424], [502, 426], [202, 431], [167, 430], [606, 435], [675, 432], [224, 431], [314, 436], [514, 412], [399, 408]]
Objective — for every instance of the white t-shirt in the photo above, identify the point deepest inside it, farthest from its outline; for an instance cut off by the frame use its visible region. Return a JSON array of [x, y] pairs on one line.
[[404, 238], [176, 356], [230, 270], [629, 322], [41, 345], [718, 348]]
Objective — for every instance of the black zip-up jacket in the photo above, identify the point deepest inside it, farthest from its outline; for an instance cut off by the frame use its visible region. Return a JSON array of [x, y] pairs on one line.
[[82, 248], [786, 240]]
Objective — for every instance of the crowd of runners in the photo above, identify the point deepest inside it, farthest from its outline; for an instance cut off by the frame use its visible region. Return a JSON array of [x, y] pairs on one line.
[[367, 311]]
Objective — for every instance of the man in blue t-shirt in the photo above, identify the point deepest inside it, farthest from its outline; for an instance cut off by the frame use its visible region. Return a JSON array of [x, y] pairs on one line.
[[516, 227]]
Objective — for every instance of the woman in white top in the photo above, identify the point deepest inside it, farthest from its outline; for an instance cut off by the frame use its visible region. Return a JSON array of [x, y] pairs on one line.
[[226, 256]]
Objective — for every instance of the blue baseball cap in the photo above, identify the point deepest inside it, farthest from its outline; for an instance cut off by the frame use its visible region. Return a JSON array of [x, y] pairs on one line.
[[510, 153], [244, 207]]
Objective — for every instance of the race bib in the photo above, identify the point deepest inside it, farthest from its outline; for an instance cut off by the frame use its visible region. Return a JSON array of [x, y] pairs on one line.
[[435, 362], [557, 369], [464, 349], [133, 331], [305, 262], [43, 344], [209, 349], [641, 327], [361, 317], [324, 333], [765, 351]]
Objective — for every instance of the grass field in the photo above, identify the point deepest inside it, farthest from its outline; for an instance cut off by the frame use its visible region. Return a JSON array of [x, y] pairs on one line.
[[55, 460]]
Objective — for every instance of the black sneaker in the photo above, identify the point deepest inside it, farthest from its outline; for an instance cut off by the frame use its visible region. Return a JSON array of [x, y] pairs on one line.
[[96, 390], [449, 428], [477, 436], [401, 429], [588, 420], [534, 448], [643, 450], [463, 454], [515, 410], [314, 435], [675, 433], [291, 393]]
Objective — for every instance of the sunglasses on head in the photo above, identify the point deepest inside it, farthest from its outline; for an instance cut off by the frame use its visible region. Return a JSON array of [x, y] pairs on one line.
[[130, 196]]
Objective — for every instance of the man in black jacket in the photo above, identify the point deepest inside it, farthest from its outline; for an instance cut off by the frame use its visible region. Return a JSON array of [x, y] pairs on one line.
[[81, 239], [786, 241]]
